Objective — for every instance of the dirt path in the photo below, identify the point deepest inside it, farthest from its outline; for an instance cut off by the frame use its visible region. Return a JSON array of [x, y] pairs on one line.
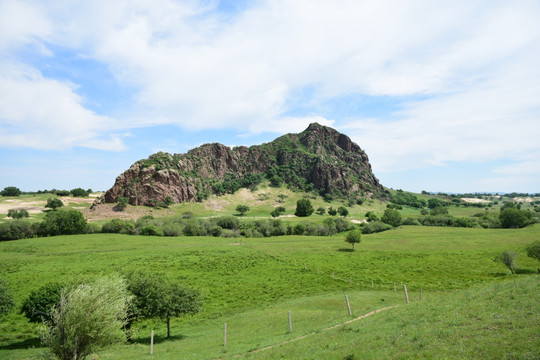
[[315, 332]]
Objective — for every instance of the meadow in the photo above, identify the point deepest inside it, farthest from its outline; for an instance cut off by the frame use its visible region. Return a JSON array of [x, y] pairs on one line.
[[251, 284]]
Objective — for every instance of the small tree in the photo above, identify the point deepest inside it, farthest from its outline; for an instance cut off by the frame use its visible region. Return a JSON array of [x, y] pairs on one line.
[[86, 318], [508, 258], [303, 208], [37, 306], [275, 213], [512, 217], [168, 201], [371, 216], [54, 203], [321, 211], [158, 297], [391, 217], [354, 237], [342, 210], [17, 214], [122, 204], [11, 191], [332, 211], [533, 250], [6, 299], [242, 209]]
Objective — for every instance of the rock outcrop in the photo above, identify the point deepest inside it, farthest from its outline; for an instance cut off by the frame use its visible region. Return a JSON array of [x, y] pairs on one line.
[[318, 159]]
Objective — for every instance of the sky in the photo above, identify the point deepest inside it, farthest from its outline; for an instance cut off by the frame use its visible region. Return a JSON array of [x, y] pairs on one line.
[[442, 95]]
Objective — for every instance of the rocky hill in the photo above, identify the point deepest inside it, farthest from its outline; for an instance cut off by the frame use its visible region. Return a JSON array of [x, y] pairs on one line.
[[318, 159]]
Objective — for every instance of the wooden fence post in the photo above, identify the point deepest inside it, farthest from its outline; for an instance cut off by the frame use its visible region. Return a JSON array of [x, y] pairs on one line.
[[290, 322], [152, 343], [348, 304], [406, 295]]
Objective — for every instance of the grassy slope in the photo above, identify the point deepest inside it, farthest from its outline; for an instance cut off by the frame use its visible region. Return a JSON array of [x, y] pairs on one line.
[[241, 281]]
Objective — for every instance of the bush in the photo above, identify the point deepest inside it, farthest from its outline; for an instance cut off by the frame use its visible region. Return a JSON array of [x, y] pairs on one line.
[[341, 225], [37, 306], [299, 229], [508, 258], [118, 226], [332, 211], [511, 217], [63, 222], [17, 214], [439, 210], [375, 227], [87, 317], [79, 192], [228, 222], [151, 230], [321, 211], [17, 230], [303, 208], [11, 191], [342, 210], [371, 216], [438, 220], [411, 221], [391, 217], [242, 209], [533, 250]]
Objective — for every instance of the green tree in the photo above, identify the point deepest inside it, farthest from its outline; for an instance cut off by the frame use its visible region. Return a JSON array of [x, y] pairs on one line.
[[533, 250], [242, 209], [6, 299], [87, 318], [79, 192], [276, 181], [63, 222], [11, 191], [275, 213], [391, 217], [508, 258], [321, 211], [17, 214], [342, 210], [54, 203], [303, 208], [371, 216], [439, 210], [158, 297], [514, 218], [37, 306], [354, 237], [168, 201], [332, 211]]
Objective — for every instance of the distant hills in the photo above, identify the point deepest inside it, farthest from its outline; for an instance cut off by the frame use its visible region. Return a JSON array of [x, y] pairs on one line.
[[318, 159]]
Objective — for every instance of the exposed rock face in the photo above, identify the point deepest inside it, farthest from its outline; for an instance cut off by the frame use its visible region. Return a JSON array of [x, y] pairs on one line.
[[319, 158]]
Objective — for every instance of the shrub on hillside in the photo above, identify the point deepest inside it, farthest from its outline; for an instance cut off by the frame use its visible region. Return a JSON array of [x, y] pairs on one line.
[[37, 306], [411, 221], [11, 191], [6, 299], [15, 230], [63, 222], [375, 227], [118, 226]]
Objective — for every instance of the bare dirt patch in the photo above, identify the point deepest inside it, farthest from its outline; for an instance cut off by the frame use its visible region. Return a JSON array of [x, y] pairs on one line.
[[363, 221], [475, 200], [32, 207], [215, 205]]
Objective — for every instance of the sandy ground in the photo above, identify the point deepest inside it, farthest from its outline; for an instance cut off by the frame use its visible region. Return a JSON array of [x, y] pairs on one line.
[[475, 200], [523, 200], [359, 221]]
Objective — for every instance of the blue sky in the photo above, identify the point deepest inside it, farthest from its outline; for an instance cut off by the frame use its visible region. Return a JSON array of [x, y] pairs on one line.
[[443, 96]]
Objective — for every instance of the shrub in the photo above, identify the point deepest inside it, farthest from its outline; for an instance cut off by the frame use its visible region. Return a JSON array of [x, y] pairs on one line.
[[299, 229], [118, 226], [11, 191], [332, 211], [438, 220], [87, 317], [391, 217], [375, 227], [321, 211], [64, 222], [341, 225], [242, 209], [508, 258], [371, 216], [16, 230], [439, 210], [79, 192], [37, 306], [17, 214], [533, 250], [342, 210], [411, 221], [228, 222], [511, 217], [122, 204], [303, 208], [150, 229]]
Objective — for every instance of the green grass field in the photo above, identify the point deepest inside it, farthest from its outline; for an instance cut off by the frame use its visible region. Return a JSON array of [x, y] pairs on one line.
[[251, 284]]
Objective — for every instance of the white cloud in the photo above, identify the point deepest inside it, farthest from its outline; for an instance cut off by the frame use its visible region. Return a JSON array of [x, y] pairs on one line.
[[43, 113], [475, 62]]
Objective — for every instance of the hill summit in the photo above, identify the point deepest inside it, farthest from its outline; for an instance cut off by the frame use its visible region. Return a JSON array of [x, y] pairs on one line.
[[318, 159]]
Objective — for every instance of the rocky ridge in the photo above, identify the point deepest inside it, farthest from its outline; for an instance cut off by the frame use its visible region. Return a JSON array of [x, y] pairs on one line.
[[318, 159]]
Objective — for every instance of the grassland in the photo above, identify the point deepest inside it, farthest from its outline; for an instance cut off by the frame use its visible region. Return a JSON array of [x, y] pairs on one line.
[[252, 283]]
